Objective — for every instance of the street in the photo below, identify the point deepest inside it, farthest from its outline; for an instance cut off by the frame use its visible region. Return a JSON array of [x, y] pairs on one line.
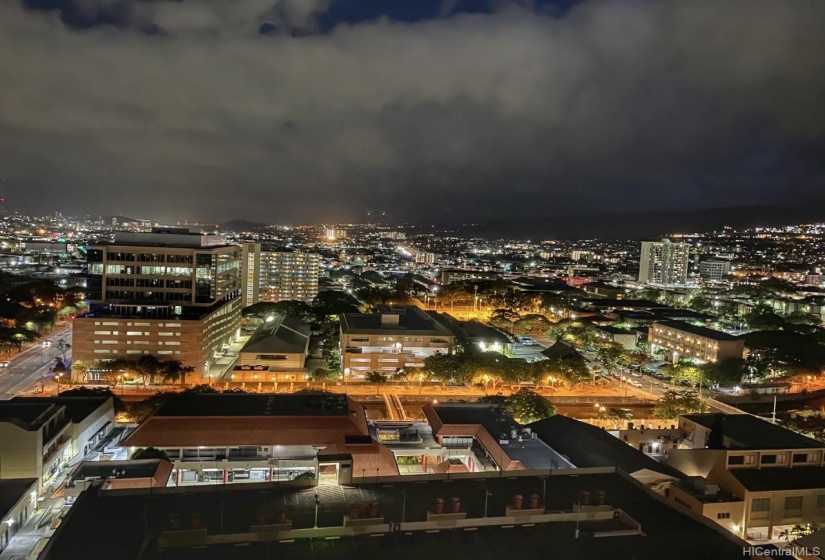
[[29, 367]]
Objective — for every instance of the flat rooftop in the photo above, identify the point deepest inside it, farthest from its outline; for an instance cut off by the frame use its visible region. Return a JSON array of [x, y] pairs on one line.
[[119, 522], [77, 408], [777, 479], [168, 237], [586, 445], [411, 320], [747, 431], [26, 415], [116, 469], [12, 490], [228, 404]]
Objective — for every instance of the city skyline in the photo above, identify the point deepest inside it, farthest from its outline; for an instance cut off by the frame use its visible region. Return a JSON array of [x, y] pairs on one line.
[[331, 113]]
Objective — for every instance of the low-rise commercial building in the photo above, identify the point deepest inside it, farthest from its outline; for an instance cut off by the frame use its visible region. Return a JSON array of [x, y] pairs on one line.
[[479, 437], [225, 438], [276, 351], [392, 339], [689, 341]]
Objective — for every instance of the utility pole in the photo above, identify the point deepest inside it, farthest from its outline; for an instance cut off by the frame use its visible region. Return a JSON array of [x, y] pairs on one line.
[[487, 494], [404, 506]]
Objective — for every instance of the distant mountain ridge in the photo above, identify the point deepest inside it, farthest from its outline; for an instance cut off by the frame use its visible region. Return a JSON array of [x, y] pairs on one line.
[[238, 225], [639, 225]]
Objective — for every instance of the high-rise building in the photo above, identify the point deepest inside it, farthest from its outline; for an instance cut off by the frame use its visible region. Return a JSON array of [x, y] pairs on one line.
[[664, 262], [289, 275], [251, 273], [714, 270], [170, 293]]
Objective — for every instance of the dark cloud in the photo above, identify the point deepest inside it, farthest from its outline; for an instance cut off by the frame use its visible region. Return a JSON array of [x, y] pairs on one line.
[[184, 109]]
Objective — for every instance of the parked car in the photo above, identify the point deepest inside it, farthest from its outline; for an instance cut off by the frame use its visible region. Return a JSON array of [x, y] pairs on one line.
[[658, 375], [636, 374], [636, 383], [650, 369], [686, 383]]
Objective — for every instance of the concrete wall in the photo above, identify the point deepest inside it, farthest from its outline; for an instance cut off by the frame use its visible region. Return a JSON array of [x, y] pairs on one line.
[[21, 452], [17, 515], [82, 432], [734, 510], [292, 361], [696, 462]]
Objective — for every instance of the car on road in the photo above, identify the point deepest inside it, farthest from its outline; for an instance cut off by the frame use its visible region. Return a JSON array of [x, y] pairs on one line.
[[636, 374], [658, 375], [5, 363], [686, 383], [527, 341], [47, 342], [636, 383]]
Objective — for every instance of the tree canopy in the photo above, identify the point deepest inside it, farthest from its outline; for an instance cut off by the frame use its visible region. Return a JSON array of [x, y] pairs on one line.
[[675, 403], [525, 405]]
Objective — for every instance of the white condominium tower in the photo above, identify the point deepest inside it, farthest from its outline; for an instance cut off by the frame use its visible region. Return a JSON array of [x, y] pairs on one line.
[[664, 263]]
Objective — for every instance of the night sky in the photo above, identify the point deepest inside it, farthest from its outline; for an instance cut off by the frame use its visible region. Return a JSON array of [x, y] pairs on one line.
[[297, 111]]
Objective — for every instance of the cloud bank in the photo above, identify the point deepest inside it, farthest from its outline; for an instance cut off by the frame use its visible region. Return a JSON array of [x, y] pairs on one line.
[[217, 109]]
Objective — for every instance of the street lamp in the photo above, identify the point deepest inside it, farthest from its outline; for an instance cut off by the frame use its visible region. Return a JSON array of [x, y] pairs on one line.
[[57, 379], [346, 379], [420, 382]]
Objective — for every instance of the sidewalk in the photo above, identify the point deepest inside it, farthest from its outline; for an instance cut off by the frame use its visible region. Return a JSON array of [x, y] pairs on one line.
[[222, 368]]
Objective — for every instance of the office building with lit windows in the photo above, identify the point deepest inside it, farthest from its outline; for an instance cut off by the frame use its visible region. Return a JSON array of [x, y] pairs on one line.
[[664, 263], [170, 293], [288, 275]]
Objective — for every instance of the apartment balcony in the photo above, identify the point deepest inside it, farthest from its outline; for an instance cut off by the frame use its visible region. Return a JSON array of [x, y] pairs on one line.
[[55, 447]]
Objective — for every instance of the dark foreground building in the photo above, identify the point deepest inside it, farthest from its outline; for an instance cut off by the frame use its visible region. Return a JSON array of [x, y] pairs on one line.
[[604, 514]]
